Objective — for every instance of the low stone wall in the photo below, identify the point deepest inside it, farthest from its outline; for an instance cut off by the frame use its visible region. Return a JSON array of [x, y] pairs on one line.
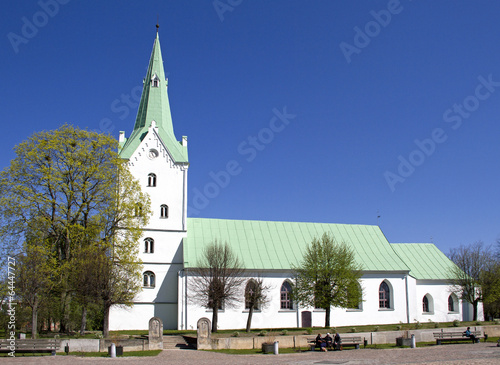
[[381, 337], [96, 345], [80, 345], [135, 344]]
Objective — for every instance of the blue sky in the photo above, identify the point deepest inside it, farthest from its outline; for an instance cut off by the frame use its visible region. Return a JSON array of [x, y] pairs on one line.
[[319, 111]]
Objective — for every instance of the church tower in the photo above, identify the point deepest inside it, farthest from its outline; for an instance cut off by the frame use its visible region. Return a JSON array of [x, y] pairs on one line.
[[160, 163]]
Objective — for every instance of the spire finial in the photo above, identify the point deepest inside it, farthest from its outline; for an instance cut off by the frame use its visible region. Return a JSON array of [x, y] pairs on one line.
[[157, 23]]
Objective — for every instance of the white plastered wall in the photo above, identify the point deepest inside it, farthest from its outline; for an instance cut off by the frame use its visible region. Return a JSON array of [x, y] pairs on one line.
[[167, 259], [273, 317]]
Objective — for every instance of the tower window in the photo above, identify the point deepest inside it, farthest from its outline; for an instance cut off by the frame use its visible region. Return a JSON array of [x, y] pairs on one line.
[[155, 81], [149, 279], [138, 210], [149, 245], [151, 180], [164, 211]]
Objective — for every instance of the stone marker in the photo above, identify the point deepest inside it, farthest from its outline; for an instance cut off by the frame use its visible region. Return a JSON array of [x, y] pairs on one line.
[[155, 333], [203, 338]]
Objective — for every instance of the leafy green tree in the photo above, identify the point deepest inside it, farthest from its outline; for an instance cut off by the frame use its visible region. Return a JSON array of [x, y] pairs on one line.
[[328, 276], [490, 283], [216, 280], [36, 269], [73, 183], [466, 278]]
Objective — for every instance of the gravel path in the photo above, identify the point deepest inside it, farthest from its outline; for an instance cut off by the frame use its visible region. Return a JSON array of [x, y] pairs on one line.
[[461, 354]]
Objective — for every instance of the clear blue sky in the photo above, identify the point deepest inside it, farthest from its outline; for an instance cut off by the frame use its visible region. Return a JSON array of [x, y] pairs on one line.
[[365, 80]]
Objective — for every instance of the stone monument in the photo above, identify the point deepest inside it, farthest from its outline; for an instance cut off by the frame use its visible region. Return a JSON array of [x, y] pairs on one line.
[[203, 338], [155, 333]]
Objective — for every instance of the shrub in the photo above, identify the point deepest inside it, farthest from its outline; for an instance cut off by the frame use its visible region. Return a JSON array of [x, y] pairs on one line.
[[353, 329], [496, 321], [262, 333], [399, 327], [376, 329], [456, 323], [436, 325], [284, 332], [309, 331], [478, 323], [236, 334]]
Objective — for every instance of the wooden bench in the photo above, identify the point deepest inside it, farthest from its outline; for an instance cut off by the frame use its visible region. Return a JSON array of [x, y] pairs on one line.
[[455, 336], [31, 346], [350, 341], [344, 341]]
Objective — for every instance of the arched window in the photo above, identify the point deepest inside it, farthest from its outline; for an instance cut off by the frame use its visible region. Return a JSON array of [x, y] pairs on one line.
[[138, 210], [149, 245], [250, 291], [155, 81], [151, 180], [452, 303], [149, 279], [425, 305], [384, 296], [286, 295], [164, 211]]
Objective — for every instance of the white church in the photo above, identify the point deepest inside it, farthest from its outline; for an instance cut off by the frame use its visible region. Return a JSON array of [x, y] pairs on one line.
[[401, 282]]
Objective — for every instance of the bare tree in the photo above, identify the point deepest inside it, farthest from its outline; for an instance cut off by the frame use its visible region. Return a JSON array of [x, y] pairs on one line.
[[217, 279], [256, 297], [467, 277]]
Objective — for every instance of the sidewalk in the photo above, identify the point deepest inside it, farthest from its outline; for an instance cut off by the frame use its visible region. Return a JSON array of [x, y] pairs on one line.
[[460, 354]]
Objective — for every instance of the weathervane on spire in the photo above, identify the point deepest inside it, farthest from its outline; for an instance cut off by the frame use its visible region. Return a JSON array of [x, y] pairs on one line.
[[157, 23]]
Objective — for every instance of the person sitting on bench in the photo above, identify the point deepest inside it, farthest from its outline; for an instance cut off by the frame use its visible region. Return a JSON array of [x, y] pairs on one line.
[[320, 342], [337, 341], [328, 340], [470, 335]]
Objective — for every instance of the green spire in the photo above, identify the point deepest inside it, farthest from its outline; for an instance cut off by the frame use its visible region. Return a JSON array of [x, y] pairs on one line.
[[154, 106]]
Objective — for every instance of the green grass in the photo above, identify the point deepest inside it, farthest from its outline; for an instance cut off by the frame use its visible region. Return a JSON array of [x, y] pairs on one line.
[[275, 332]]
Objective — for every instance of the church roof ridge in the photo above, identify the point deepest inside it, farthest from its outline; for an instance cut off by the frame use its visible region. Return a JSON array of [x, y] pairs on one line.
[[284, 221]]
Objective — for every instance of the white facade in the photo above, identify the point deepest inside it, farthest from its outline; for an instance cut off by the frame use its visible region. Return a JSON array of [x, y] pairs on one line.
[[166, 184], [404, 305]]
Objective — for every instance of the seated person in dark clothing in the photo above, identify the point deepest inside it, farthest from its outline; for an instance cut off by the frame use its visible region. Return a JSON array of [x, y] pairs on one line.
[[328, 340], [470, 335], [320, 343], [337, 341]]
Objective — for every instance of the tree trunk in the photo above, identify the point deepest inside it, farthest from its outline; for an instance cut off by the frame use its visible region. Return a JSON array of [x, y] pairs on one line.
[[105, 323], [34, 319], [327, 317], [249, 320], [84, 320], [474, 312], [64, 327], [214, 318]]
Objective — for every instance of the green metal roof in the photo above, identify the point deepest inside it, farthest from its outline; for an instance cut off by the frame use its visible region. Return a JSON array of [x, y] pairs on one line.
[[155, 106], [279, 245], [425, 260]]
